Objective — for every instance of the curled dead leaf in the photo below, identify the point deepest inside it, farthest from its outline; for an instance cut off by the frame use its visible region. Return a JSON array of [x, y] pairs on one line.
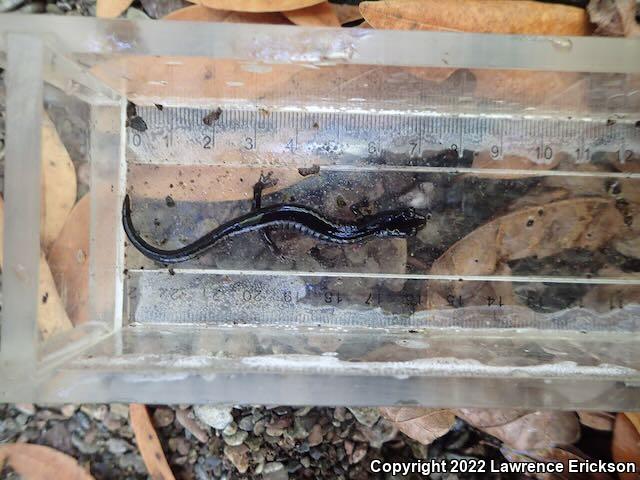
[[485, 16], [69, 261], [319, 15], [542, 230], [59, 185], [257, 5], [597, 420], [52, 317], [625, 446], [604, 298], [346, 13], [112, 8], [190, 78], [199, 13], [38, 462], [421, 424], [148, 443], [526, 431], [634, 418], [205, 183]]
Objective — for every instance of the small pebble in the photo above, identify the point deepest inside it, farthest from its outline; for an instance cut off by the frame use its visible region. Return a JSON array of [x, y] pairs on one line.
[[238, 456], [112, 422], [54, 9], [246, 423], [274, 471], [230, 429], [163, 417], [274, 432], [365, 415], [236, 439], [68, 410], [97, 412], [301, 412], [358, 454], [315, 437], [215, 417], [191, 425], [259, 427], [8, 5], [26, 408], [120, 410], [117, 446], [180, 445], [35, 7], [134, 461], [83, 445]]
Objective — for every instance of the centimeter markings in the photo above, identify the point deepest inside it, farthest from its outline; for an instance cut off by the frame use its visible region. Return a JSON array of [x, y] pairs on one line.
[[193, 135], [268, 297]]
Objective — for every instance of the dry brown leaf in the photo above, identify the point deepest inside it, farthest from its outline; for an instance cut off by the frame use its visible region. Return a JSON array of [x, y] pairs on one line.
[[319, 15], [112, 8], [148, 443], [58, 184], [346, 13], [556, 454], [37, 462], [614, 17], [144, 78], [597, 420], [257, 5], [421, 424], [485, 16], [625, 446], [542, 230], [529, 431], [52, 318], [198, 13], [210, 183], [634, 418], [484, 418], [69, 261]]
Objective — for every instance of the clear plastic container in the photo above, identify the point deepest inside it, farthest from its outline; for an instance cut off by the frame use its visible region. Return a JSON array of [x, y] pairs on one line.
[[522, 290]]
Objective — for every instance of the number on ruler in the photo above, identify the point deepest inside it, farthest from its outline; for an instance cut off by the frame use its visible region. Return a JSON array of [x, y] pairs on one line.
[[332, 297], [414, 148], [545, 152], [495, 152], [136, 140], [372, 148], [206, 142], [290, 146], [625, 155], [583, 155], [248, 143]]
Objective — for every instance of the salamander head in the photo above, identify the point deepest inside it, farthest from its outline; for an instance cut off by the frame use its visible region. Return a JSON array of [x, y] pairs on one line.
[[403, 223]]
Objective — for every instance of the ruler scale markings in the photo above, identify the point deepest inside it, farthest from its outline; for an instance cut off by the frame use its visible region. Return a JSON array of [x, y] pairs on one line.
[[176, 134]]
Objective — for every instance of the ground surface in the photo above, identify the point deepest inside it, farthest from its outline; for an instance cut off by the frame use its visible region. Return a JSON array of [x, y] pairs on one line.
[[269, 443]]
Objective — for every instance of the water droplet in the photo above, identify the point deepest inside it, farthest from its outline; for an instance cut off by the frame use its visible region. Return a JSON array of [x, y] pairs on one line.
[[562, 44]]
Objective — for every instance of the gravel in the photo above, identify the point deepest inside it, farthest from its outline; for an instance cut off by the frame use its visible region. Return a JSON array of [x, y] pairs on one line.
[[303, 443]]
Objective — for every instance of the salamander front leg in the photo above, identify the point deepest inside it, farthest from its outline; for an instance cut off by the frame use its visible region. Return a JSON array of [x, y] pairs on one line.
[[265, 181]]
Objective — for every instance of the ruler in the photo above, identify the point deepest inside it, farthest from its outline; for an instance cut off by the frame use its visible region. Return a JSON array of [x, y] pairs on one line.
[[217, 135]]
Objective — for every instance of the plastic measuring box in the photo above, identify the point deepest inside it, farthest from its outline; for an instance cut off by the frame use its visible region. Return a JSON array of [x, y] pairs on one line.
[[522, 290]]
